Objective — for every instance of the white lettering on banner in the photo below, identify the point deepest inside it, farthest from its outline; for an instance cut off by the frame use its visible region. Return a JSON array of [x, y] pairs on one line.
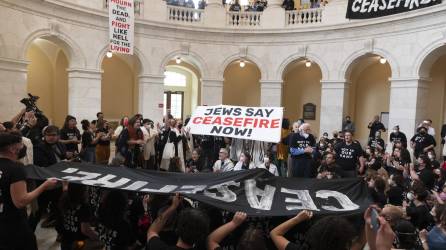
[[121, 26], [136, 185], [226, 194], [344, 201], [355, 5], [252, 123], [165, 189], [266, 195], [191, 189], [84, 176], [105, 182], [368, 6], [303, 199]]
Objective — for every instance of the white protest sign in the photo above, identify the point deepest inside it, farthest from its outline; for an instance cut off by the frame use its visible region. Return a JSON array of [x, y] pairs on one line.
[[121, 26], [253, 123]]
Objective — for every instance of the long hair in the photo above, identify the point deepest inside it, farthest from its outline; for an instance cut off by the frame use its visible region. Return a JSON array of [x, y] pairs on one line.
[[113, 208], [75, 195], [68, 118]]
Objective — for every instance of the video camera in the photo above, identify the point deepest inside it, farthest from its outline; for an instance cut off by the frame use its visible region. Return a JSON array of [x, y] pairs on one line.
[[30, 104]]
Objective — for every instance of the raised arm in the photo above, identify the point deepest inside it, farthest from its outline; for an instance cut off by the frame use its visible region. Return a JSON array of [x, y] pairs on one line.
[[220, 233], [277, 234]]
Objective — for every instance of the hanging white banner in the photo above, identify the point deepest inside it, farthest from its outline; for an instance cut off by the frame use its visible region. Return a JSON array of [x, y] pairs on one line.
[[121, 26], [253, 123]]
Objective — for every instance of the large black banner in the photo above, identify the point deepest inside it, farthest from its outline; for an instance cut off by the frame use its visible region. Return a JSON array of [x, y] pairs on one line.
[[256, 192], [364, 9]]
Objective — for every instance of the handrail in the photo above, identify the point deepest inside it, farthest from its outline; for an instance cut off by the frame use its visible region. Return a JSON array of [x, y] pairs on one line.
[[184, 14], [303, 16], [243, 18]]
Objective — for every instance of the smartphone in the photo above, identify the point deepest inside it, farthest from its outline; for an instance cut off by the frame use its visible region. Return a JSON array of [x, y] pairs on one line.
[[374, 220]]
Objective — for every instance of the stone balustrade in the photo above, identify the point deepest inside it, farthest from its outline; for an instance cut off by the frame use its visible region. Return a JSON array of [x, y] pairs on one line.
[[243, 18], [184, 15], [304, 16]]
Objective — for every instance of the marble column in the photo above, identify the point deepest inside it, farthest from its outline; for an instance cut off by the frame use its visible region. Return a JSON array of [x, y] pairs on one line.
[[84, 93], [407, 103], [151, 97], [12, 87], [271, 93], [211, 92], [334, 103]]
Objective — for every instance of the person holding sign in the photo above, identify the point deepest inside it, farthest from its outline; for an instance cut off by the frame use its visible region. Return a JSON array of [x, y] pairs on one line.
[[301, 148]]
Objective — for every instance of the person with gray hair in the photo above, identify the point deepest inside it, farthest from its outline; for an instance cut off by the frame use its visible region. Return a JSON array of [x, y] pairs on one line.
[[223, 164], [301, 149]]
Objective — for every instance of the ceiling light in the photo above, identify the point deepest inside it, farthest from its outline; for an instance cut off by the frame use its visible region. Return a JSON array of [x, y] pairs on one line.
[[242, 63], [109, 54], [308, 64], [178, 60], [382, 60]]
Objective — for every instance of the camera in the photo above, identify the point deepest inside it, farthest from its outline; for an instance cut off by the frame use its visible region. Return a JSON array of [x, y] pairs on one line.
[[30, 104]]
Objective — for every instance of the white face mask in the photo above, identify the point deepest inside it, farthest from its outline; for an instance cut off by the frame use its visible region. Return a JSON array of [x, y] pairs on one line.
[[304, 135], [431, 156], [266, 160]]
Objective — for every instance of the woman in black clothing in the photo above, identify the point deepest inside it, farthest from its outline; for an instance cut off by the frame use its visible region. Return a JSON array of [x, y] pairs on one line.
[[194, 164], [70, 135], [74, 222], [114, 230], [15, 232], [89, 141]]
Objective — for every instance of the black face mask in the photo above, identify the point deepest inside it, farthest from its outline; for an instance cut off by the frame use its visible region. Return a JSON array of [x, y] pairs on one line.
[[180, 126], [423, 132], [22, 153]]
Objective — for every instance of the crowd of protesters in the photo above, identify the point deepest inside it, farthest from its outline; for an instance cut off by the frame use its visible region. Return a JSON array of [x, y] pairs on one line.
[[406, 185]]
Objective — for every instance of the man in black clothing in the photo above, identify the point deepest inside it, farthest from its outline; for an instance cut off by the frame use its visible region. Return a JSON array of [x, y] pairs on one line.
[[329, 169], [422, 142], [398, 136], [301, 148], [374, 126], [377, 143], [349, 154]]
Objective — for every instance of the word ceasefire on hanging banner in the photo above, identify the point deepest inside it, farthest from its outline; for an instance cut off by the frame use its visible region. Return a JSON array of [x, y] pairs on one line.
[[256, 192]]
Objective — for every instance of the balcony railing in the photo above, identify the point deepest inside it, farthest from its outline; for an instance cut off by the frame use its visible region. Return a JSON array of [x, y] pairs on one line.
[[137, 4], [304, 16], [184, 15], [243, 18]]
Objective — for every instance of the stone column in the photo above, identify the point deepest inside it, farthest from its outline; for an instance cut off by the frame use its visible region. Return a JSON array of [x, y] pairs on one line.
[[334, 102], [12, 87], [274, 15], [212, 92], [151, 97], [407, 103], [271, 93], [84, 93]]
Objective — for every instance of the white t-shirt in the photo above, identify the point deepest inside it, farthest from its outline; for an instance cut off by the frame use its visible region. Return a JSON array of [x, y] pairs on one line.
[[225, 166], [239, 165]]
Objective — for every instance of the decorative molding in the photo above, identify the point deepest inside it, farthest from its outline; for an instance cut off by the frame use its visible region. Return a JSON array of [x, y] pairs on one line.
[[85, 73], [369, 45], [243, 51], [215, 83], [334, 84], [185, 48], [148, 79], [14, 65], [410, 82]]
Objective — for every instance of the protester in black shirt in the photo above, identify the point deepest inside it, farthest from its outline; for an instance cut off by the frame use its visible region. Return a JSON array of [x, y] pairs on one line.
[[422, 142], [433, 159], [192, 227], [74, 222], [377, 186], [89, 141], [194, 164], [423, 172], [301, 148], [329, 169], [114, 229], [349, 155], [395, 194], [374, 126], [70, 135], [235, 6], [15, 232], [398, 136], [395, 164], [374, 161], [418, 210], [377, 143]]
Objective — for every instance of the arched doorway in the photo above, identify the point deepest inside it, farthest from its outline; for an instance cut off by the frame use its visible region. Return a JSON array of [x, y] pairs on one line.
[[48, 78], [241, 84], [434, 108], [119, 82], [182, 88], [369, 93], [302, 87]]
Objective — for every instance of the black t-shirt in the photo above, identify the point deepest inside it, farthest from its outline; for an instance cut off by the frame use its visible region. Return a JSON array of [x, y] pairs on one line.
[[334, 169], [155, 243], [426, 175], [102, 141], [375, 142], [347, 156], [396, 195], [299, 141], [10, 173], [70, 134], [419, 216], [421, 142], [87, 139], [375, 127], [118, 237], [293, 246], [71, 222]]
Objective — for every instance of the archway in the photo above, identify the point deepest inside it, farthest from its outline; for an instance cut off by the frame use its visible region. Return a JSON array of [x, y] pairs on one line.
[[432, 68], [48, 78], [119, 82], [182, 88], [241, 84], [302, 87], [369, 93]]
